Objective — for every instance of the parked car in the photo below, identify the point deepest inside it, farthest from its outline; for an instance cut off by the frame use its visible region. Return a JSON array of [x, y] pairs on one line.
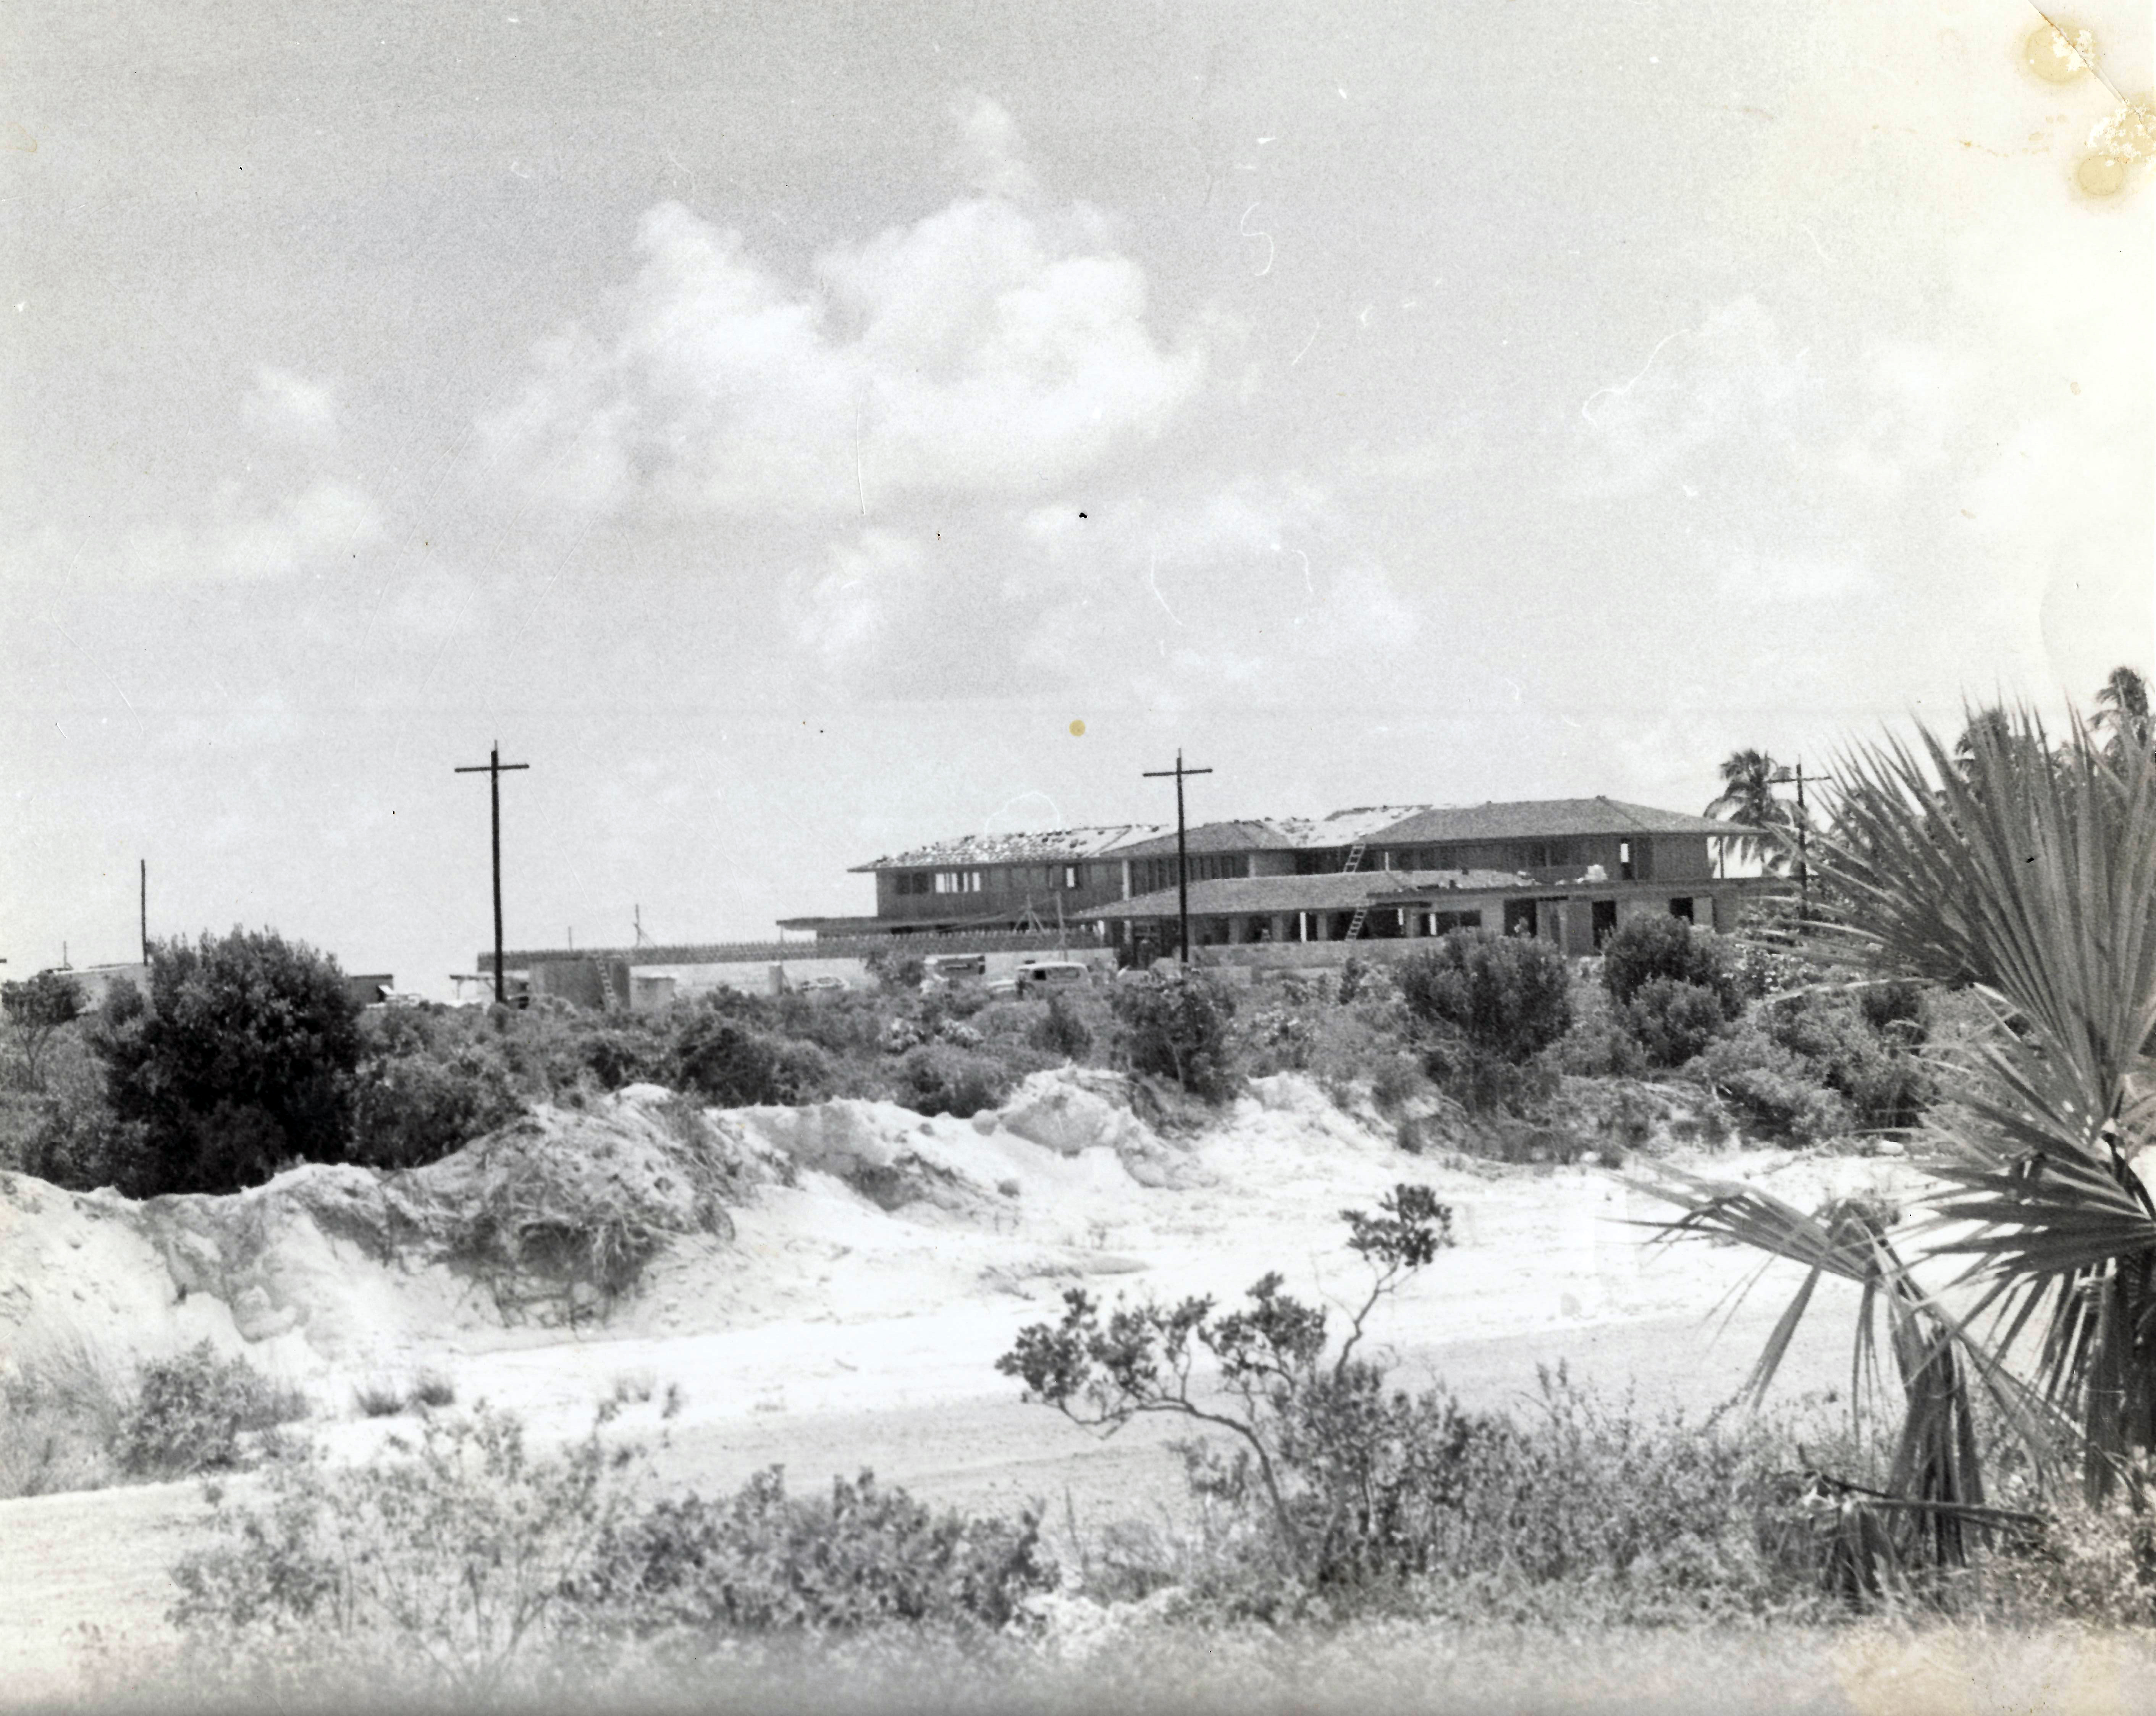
[[942, 970], [1039, 977]]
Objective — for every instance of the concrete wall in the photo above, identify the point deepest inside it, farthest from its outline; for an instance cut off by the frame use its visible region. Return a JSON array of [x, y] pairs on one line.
[[761, 979], [96, 981], [1682, 858]]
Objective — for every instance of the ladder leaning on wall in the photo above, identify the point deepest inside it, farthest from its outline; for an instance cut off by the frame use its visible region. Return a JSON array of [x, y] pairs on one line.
[[1354, 863]]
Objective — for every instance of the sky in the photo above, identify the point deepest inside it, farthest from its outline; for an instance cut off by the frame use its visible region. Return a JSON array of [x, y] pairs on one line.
[[800, 431]]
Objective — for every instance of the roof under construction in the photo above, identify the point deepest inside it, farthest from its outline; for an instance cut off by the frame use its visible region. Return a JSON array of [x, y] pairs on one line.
[[1386, 825], [1049, 846], [1548, 819]]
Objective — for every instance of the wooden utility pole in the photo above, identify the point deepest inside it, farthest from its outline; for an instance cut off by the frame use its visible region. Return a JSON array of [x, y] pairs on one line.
[[493, 768], [1785, 777], [1182, 852], [143, 902]]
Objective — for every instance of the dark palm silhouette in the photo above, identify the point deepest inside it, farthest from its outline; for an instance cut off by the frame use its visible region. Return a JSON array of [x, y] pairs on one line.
[[1748, 796], [2122, 711]]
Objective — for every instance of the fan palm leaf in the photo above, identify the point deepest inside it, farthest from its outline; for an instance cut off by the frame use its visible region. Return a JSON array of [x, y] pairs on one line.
[[2029, 874]]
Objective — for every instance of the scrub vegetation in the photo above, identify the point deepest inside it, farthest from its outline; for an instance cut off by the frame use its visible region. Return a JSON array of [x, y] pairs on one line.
[[1974, 988]]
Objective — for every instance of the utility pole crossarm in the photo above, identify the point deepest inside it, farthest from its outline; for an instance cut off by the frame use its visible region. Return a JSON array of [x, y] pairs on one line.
[[1798, 778], [1180, 774], [493, 768]]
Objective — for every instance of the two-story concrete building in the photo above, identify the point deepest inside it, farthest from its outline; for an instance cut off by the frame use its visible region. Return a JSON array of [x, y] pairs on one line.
[[989, 882], [1568, 869]]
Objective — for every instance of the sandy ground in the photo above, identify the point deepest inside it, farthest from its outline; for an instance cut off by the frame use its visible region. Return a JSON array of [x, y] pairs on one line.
[[832, 1334]]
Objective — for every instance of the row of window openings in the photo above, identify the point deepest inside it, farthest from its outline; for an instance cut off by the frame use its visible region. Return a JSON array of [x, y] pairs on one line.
[[1065, 878], [1150, 875]]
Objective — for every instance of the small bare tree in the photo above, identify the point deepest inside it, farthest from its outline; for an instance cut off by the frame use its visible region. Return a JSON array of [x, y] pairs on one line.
[[1274, 1392]]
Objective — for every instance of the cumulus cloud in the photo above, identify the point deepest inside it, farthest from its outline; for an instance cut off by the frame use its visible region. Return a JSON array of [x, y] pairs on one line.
[[1244, 586], [322, 526], [984, 351], [290, 407]]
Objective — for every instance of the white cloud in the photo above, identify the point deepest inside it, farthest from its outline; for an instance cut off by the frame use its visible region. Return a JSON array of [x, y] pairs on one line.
[[983, 351], [291, 408], [324, 526], [1240, 588], [990, 151]]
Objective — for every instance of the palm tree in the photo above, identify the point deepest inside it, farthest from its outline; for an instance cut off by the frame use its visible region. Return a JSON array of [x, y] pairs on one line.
[[2121, 709], [1991, 727], [1748, 796], [2033, 1275]]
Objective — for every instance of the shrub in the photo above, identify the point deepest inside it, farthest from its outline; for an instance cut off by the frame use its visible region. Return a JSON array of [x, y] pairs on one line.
[[1489, 1005], [1507, 996], [243, 1059], [616, 1053], [1175, 1025], [434, 1391], [69, 1135], [190, 1414], [761, 1561], [1673, 1021], [1876, 1075], [1896, 1010], [1340, 1491], [736, 1065], [842, 1025], [378, 1400], [895, 972], [437, 1571], [426, 1086], [942, 1078], [1600, 1043], [35, 1009], [465, 1568], [1771, 1086], [1354, 974], [1062, 1028], [61, 1407], [1656, 945], [1318, 1445]]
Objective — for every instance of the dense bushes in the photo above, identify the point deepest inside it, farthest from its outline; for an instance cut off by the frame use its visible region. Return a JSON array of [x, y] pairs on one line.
[[1177, 1025], [35, 1008], [761, 1561], [460, 1564], [1490, 1005], [429, 1081], [1672, 1020], [242, 1060], [194, 1413], [943, 1078], [1484, 1021], [1656, 945], [1506, 995], [736, 1065], [1819, 1062]]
